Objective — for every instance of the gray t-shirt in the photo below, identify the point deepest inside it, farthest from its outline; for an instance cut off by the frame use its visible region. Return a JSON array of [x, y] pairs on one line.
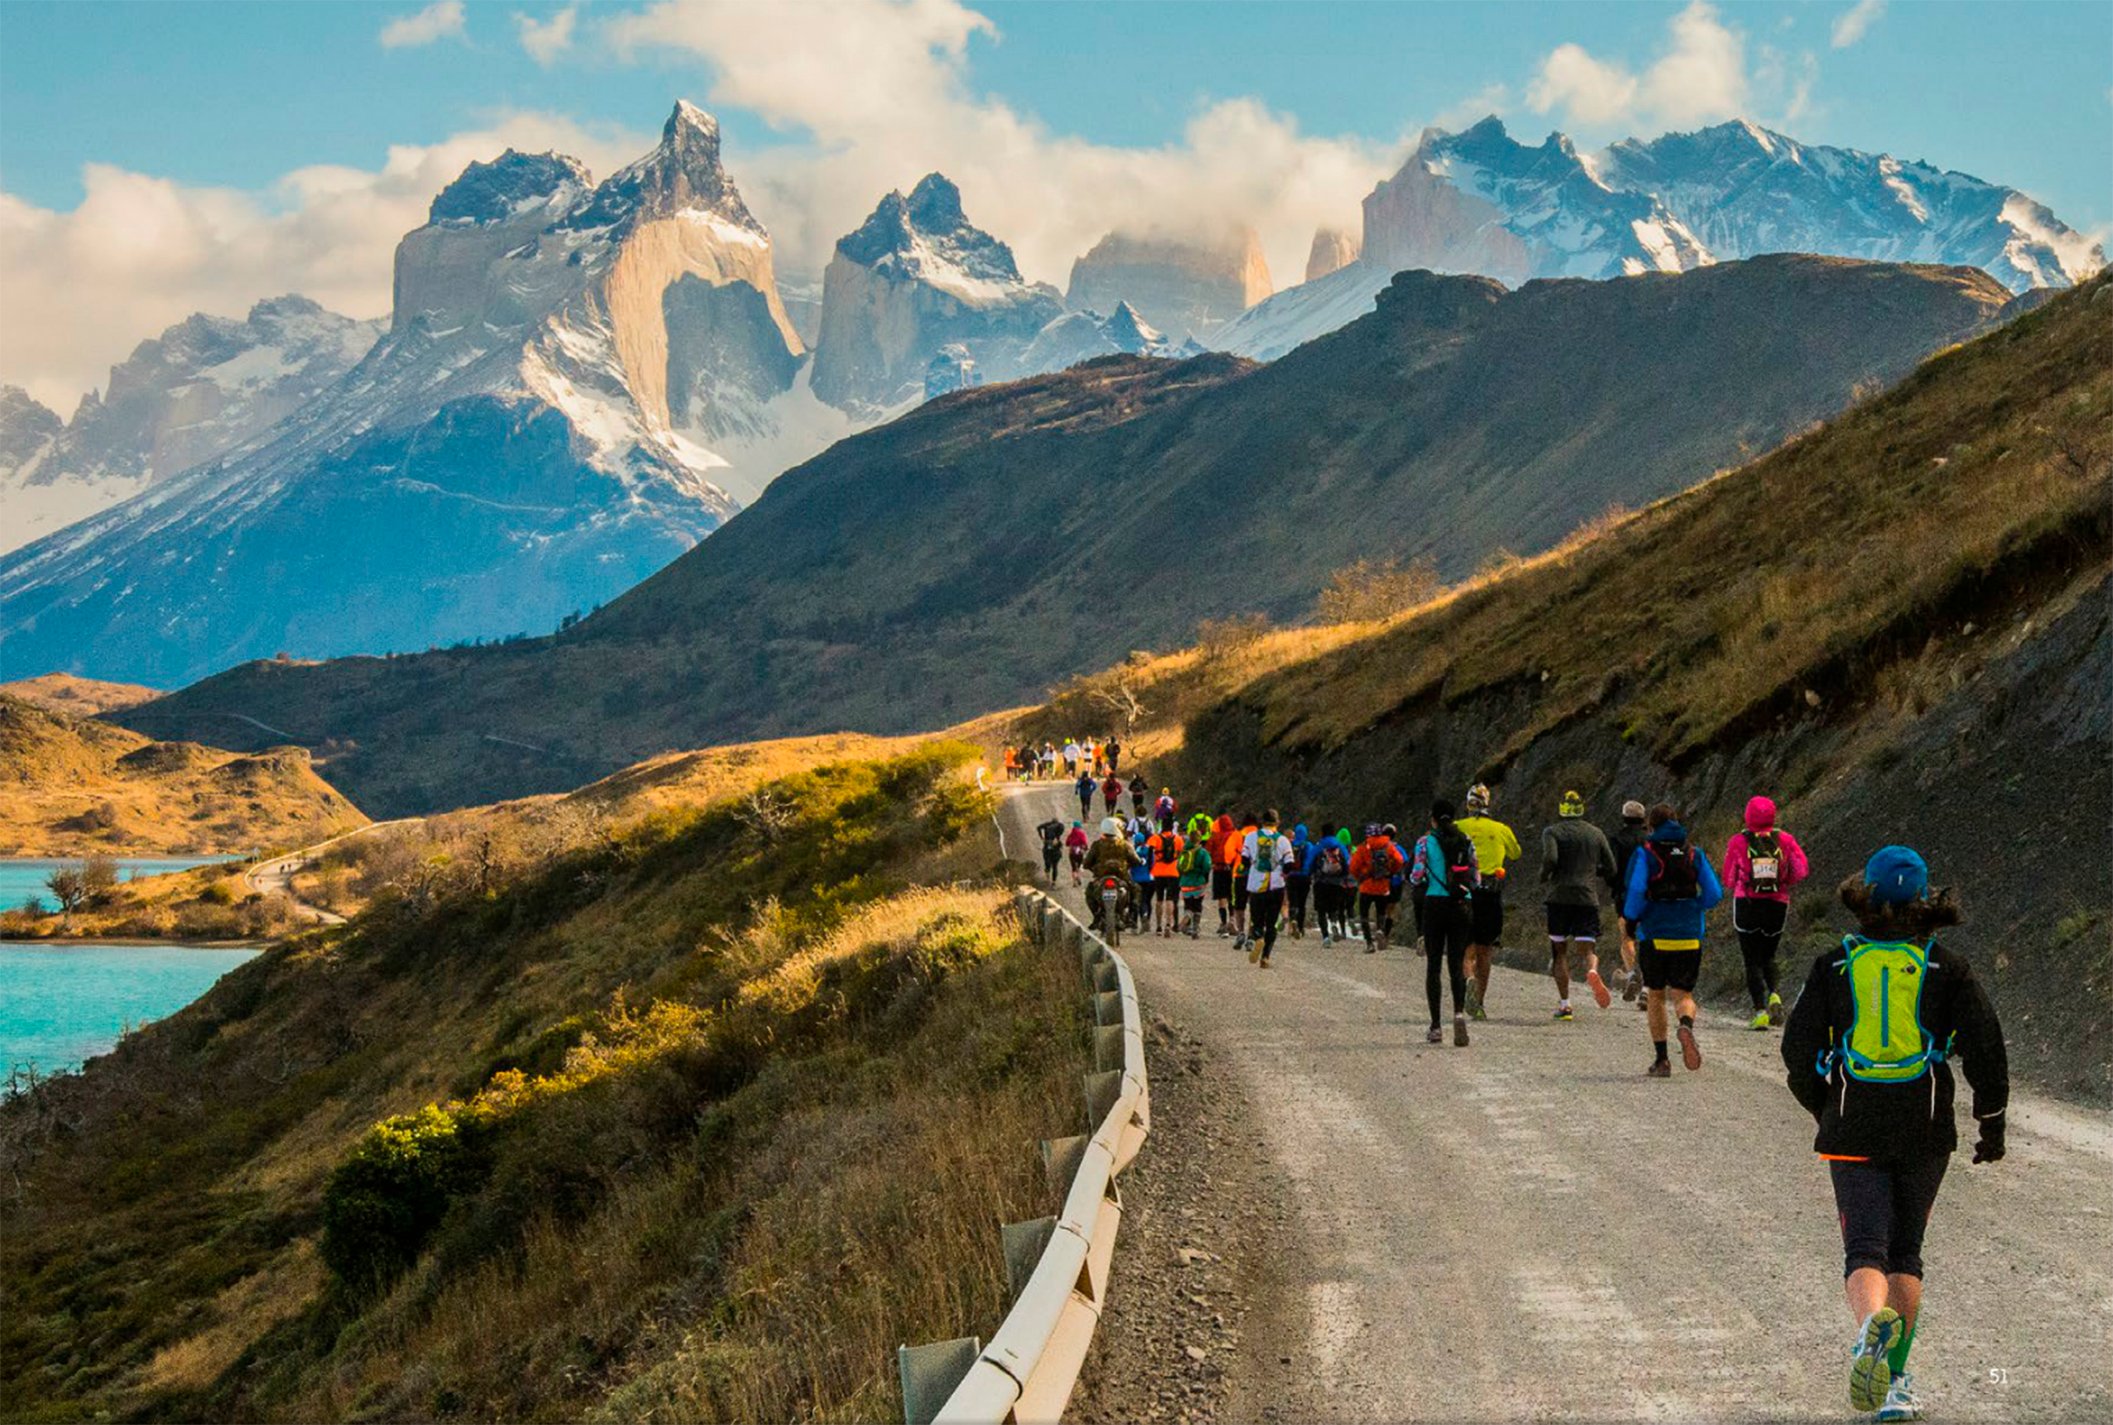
[[1575, 861]]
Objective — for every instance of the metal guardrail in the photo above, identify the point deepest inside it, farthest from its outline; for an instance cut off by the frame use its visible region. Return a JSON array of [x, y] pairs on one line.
[[1058, 1265]]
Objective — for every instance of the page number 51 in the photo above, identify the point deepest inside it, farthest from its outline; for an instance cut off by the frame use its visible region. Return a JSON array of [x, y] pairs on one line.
[[1998, 1375]]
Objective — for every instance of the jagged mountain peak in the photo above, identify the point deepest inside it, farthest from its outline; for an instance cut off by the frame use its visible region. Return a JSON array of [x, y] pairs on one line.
[[683, 174], [935, 204], [1125, 327], [511, 183]]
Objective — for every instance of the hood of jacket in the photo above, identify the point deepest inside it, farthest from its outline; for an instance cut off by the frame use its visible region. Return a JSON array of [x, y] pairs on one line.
[[1760, 814]]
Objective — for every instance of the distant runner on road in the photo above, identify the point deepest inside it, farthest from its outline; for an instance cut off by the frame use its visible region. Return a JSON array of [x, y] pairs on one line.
[[1761, 863], [1445, 877], [1334, 887], [1298, 881], [1075, 842], [1575, 862], [1165, 851], [1375, 864], [1868, 1050], [1052, 834], [1084, 788], [1495, 844], [1671, 889], [1267, 854], [1627, 840]]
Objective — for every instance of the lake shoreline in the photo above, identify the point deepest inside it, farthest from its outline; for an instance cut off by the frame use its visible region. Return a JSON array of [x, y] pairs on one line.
[[88, 940]]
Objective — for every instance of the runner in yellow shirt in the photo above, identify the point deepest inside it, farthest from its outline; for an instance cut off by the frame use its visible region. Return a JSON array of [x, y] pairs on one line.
[[1494, 845]]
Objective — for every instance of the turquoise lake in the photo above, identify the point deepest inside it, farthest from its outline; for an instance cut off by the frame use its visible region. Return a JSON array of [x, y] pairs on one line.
[[63, 1004], [23, 879]]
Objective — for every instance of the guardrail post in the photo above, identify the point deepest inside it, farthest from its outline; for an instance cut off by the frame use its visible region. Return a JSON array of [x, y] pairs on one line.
[[1108, 1007], [930, 1373], [1106, 977], [1102, 1090], [1090, 952], [1024, 1242], [1060, 1160], [1108, 1046]]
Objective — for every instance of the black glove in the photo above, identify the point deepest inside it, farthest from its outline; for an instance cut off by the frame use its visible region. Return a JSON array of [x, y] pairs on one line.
[[1990, 1148]]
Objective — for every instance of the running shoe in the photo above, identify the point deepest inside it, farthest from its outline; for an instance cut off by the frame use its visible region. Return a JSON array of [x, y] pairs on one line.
[[1474, 997], [1478, 1012], [1436, 1036], [1370, 948], [1632, 988], [1660, 1069], [1870, 1372], [1776, 1013], [1901, 1403], [1564, 1013], [1600, 994], [1759, 1021], [1267, 962], [1326, 940], [1254, 955], [1460, 1031], [1690, 1051]]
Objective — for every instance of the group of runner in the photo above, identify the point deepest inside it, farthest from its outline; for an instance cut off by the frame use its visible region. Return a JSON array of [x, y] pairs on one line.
[[1093, 756], [1868, 1049]]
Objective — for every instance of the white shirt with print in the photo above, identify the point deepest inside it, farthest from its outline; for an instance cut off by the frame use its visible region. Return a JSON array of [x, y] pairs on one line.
[[1280, 857]]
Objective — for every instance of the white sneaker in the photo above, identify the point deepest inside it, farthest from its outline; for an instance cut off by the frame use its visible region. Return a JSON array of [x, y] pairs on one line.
[[1900, 1401], [1870, 1372]]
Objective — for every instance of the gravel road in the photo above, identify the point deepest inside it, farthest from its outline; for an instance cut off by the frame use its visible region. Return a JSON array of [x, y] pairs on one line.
[[1528, 1229]]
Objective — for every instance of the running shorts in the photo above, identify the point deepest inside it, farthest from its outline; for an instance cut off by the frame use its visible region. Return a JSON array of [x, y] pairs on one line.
[[1573, 922], [1221, 883], [1668, 969], [1192, 898], [1884, 1207], [1239, 891], [1166, 887], [1488, 921]]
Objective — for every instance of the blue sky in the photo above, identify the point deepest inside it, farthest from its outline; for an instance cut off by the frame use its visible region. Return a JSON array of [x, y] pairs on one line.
[[229, 136]]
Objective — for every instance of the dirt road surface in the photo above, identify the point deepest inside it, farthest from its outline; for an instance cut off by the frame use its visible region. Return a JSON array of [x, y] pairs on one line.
[[275, 877], [1528, 1229]]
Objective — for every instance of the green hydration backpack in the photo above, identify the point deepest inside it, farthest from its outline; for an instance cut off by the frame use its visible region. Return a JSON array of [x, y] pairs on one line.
[[1887, 1042], [1265, 852]]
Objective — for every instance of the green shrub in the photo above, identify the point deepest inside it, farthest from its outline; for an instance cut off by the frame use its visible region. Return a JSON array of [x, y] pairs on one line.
[[391, 1192]]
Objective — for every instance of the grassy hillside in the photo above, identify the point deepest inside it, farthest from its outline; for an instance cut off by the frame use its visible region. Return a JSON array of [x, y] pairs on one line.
[[73, 787], [78, 697], [1899, 626], [970, 554], [696, 1117]]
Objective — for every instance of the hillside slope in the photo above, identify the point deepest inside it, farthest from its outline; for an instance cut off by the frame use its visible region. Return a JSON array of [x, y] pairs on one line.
[[72, 787], [970, 554], [1899, 626], [672, 1128]]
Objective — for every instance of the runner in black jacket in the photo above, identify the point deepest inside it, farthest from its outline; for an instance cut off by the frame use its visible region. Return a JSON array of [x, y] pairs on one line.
[[1887, 1134]]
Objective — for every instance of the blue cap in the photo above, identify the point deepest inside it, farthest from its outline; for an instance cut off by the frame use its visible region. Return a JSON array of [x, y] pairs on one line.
[[1896, 875]]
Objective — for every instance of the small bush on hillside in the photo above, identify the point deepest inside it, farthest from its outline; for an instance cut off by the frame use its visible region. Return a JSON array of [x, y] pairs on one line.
[[391, 1192], [1374, 589]]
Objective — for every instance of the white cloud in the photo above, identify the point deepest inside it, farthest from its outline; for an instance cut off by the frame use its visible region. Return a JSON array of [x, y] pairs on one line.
[[1699, 77], [1855, 22], [82, 288], [545, 40], [443, 19], [879, 96]]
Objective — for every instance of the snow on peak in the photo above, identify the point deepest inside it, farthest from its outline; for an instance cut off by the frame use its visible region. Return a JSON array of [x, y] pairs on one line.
[[927, 238], [682, 174], [510, 184]]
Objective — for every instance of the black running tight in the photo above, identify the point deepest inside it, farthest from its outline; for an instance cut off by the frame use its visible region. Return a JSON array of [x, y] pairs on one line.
[[1759, 924], [1445, 936], [1295, 889]]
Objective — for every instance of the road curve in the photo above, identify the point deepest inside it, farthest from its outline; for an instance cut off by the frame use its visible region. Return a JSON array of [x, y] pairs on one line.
[[275, 877], [1528, 1229]]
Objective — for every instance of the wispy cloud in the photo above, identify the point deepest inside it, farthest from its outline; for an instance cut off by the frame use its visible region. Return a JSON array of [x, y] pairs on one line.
[[443, 19], [1699, 76], [545, 40], [1855, 22]]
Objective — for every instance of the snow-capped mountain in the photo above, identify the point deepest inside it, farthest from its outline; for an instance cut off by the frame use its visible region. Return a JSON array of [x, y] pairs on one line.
[[568, 370], [1745, 190], [915, 278], [1187, 285], [1081, 336], [204, 388], [1482, 202]]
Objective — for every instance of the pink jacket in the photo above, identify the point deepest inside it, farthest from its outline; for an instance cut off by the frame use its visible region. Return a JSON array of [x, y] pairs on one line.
[[1738, 862]]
